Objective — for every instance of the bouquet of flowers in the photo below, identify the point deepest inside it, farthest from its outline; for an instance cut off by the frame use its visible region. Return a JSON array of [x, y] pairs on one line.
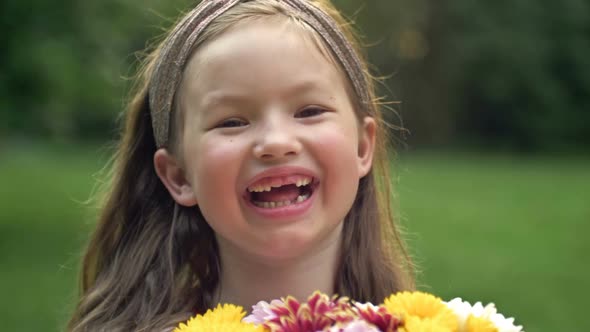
[[403, 312]]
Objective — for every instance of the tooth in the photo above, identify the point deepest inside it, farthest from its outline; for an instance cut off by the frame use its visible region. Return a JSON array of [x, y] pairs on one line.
[[298, 184], [267, 188], [302, 198], [272, 205], [285, 203], [279, 204], [306, 181]]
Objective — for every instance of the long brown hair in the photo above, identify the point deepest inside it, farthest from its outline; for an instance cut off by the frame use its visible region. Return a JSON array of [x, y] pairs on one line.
[[150, 262]]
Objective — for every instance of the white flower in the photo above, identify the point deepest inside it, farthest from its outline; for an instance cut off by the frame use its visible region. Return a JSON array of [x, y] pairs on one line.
[[505, 324], [354, 326], [463, 309], [261, 312]]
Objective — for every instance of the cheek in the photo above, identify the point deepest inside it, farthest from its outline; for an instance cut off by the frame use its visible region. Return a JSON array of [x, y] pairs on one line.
[[215, 152], [339, 145], [337, 152], [216, 166]]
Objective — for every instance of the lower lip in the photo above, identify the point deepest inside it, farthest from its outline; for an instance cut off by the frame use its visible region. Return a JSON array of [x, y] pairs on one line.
[[283, 212]]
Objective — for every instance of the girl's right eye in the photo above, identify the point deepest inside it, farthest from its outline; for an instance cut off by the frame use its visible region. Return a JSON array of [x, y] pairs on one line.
[[310, 112], [232, 123]]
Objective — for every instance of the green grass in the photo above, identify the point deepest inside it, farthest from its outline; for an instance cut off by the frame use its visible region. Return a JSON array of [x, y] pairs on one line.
[[490, 228], [43, 226], [502, 229]]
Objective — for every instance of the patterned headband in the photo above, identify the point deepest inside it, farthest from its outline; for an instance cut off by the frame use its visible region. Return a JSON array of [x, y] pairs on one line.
[[177, 48]]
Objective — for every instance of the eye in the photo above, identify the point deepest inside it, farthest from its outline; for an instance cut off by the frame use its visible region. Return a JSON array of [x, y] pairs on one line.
[[232, 123], [309, 112]]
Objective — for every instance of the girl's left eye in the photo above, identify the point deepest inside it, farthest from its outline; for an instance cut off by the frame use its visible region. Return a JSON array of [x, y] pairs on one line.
[[232, 123], [309, 112]]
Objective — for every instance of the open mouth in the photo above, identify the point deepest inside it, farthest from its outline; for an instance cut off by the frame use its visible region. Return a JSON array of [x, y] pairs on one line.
[[279, 192]]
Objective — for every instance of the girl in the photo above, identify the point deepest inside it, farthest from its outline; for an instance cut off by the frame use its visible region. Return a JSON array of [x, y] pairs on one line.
[[252, 166]]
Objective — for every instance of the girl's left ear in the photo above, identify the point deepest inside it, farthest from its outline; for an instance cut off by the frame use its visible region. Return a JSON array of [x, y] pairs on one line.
[[366, 146]]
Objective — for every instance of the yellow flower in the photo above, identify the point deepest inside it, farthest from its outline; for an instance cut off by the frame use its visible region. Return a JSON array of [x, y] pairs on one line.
[[415, 324], [422, 312], [478, 324], [223, 318]]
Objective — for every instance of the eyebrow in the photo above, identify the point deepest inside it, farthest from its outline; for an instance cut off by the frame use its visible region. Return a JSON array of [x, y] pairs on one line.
[[219, 98]]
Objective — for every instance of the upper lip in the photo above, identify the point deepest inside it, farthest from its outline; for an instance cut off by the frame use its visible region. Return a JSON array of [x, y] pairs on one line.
[[280, 171]]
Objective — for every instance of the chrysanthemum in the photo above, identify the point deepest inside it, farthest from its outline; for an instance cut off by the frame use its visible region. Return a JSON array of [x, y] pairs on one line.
[[415, 324], [223, 318], [377, 316], [422, 310], [478, 324], [262, 312], [464, 310], [354, 326], [505, 324], [317, 314]]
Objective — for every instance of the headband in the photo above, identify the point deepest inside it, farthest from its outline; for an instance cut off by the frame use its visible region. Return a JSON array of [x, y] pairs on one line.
[[177, 47]]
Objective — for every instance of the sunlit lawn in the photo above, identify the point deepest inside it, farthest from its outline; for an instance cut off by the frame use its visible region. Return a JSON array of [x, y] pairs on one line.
[[491, 228], [509, 230]]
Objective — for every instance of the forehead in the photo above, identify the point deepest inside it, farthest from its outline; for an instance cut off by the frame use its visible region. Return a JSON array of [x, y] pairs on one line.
[[262, 55]]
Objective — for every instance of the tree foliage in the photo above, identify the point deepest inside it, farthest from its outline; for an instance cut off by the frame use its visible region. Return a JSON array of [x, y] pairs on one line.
[[493, 73]]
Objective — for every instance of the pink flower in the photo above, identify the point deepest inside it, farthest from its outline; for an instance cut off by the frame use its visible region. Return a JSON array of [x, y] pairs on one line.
[[377, 316], [317, 314], [262, 312], [357, 325]]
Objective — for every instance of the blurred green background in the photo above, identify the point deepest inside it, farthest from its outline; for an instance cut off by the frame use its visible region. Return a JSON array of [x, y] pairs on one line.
[[493, 173]]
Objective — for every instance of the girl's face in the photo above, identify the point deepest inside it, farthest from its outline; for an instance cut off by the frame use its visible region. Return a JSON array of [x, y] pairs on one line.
[[272, 149]]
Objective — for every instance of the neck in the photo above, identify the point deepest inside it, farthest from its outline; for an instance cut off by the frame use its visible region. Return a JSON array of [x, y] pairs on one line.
[[246, 280]]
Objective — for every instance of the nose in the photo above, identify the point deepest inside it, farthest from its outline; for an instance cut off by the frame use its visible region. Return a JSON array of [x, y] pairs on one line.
[[277, 140]]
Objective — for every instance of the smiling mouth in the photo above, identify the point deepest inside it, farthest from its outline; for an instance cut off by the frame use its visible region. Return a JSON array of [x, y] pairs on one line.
[[279, 193]]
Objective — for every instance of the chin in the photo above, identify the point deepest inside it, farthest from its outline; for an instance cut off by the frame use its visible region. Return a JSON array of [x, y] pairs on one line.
[[292, 246]]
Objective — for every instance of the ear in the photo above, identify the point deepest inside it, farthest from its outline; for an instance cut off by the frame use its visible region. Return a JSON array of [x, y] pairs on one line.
[[366, 146], [173, 177]]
